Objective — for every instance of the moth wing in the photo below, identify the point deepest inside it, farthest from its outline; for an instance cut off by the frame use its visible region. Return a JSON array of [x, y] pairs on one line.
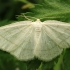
[[59, 32], [17, 38], [47, 48]]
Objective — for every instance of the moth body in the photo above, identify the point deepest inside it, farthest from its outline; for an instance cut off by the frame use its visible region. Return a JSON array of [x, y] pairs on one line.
[[37, 25], [37, 30]]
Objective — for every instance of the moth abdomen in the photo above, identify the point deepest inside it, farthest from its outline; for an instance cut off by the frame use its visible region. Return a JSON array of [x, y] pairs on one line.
[[38, 29]]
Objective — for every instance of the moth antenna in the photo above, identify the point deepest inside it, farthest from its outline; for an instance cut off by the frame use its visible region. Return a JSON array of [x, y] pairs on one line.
[[22, 15], [30, 16], [26, 17]]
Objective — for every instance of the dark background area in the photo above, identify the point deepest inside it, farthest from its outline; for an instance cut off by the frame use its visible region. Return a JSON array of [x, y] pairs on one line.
[[10, 8]]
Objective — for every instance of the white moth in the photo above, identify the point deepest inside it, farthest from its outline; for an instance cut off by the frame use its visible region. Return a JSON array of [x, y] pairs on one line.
[[26, 39]]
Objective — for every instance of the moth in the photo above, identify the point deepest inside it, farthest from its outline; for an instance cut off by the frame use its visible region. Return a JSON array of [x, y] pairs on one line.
[[27, 40]]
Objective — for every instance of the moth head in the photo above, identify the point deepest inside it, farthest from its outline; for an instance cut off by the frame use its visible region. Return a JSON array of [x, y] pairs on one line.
[[37, 23]]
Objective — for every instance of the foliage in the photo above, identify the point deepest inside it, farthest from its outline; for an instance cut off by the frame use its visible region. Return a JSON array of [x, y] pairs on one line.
[[44, 10]]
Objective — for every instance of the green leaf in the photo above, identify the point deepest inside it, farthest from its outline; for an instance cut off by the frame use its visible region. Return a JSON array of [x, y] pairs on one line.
[[22, 65], [50, 9], [33, 64], [66, 60], [58, 64], [47, 65]]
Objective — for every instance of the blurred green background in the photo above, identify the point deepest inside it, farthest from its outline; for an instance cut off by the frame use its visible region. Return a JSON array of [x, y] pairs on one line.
[[14, 10]]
